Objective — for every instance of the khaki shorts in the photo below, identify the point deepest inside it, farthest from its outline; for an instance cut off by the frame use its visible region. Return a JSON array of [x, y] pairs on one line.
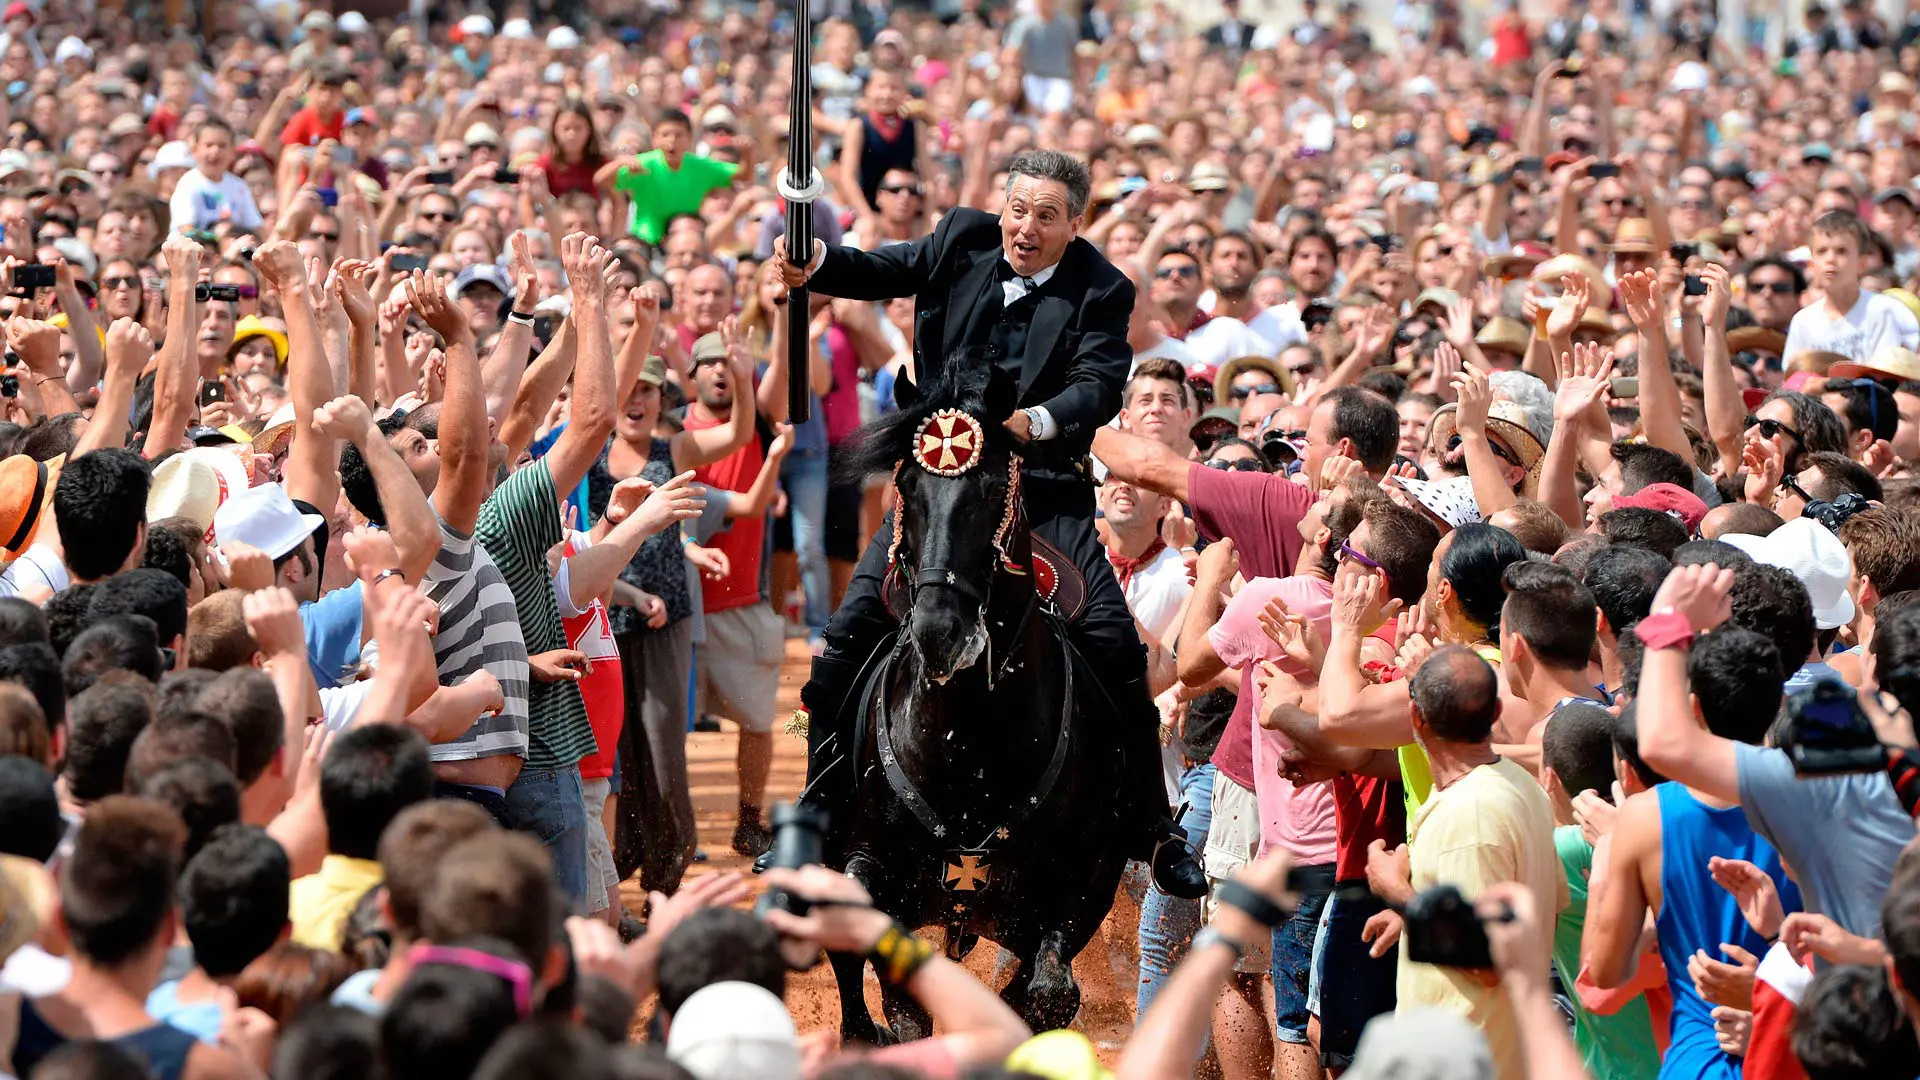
[[1233, 841], [739, 666], [601, 873]]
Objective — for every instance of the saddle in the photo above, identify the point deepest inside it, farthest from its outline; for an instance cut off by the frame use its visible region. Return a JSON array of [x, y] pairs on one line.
[[1056, 579]]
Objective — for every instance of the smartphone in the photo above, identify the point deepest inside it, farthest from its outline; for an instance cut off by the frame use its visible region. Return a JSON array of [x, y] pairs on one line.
[[328, 197], [1527, 164], [407, 264], [1696, 285], [506, 175], [440, 177], [1385, 241], [33, 276], [1624, 386], [1601, 170], [229, 293], [211, 391]]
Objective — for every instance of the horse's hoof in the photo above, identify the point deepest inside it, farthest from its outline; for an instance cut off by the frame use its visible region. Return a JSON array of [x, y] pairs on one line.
[[960, 944], [764, 862]]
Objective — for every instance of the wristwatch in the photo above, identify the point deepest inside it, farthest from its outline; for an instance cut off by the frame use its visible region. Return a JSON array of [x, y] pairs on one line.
[[1209, 935]]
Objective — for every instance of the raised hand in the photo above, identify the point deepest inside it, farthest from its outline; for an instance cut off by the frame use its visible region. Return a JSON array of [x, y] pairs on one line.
[[1765, 468], [1700, 592], [1584, 375], [679, 499], [1475, 394], [350, 285], [129, 347], [526, 280], [1218, 564], [1645, 301], [1753, 891], [1357, 599], [273, 618], [183, 257], [345, 417], [584, 260], [1575, 294], [37, 343], [428, 294], [1713, 306], [1294, 635], [279, 263]]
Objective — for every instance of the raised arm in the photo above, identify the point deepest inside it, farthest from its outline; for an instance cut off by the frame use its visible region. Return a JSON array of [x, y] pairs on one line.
[[129, 347], [1354, 711], [313, 460], [757, 498], [1672, 741], [463, 413], [637, 510], [351, 283], [893, 271], [1583, 382], [416, 536], [38, 346], [1726, 411], [1142, 462], [177, 375], [1198, 662], [591, 408], [1488, 472], [507, 363], [89, 353], [1659, 395], [537, 390], [1092, 394]]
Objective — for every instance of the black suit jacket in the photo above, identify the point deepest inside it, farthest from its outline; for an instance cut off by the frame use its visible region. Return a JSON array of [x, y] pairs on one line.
[[1077, 357]]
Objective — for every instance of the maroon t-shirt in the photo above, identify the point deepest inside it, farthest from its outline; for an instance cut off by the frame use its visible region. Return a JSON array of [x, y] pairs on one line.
[[1262, 513]]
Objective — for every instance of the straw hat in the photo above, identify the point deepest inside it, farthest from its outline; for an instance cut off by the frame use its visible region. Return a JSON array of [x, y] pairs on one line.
[[1892, 363], [1504, 334], [1561, 265], [1223, 379], [1506, 421], [1760, 339], [1633, 237]]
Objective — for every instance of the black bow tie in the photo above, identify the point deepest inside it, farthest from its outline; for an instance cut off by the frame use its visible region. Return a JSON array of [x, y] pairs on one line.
[[1005, 272]]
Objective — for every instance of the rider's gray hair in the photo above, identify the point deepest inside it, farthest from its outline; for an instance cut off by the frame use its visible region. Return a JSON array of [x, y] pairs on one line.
[[1057, 166]]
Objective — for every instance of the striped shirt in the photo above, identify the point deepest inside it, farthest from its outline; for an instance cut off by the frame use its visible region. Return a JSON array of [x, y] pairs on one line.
[[478, 629], [518, 523]]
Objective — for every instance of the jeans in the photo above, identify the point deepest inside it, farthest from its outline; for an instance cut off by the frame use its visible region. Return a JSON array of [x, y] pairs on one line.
[[1293, 964], [547, 805], [804, 476], [1354, 986], [1167, 924]]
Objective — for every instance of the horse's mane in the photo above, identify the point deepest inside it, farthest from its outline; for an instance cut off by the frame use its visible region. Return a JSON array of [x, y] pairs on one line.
[[968, 382]]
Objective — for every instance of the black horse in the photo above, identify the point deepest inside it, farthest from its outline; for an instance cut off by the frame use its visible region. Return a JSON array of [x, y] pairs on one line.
[[985, 792]]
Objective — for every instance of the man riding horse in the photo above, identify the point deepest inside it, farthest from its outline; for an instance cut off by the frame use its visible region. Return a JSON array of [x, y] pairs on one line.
[[1026, 293]]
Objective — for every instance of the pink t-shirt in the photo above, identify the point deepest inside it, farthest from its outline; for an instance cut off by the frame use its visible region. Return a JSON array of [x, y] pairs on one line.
[[1299, 819]]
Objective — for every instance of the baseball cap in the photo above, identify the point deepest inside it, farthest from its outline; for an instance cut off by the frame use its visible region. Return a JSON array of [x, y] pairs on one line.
[[734, 1029], [124, 125], [562, 38], [653, 370], [173, 155], [516, 29], [1668, 499], [1058, 1055], [353, 22], [265, 518], [1904, 194], [476, 26], [719, 116], [1809, 551], [362, 115], [482, 133], [481, 274], [71, 48], [1207, 176], [1816, 152]]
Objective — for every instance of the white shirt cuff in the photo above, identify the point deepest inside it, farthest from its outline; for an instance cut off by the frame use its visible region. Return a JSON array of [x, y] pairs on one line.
[[819, 257], [1043, 426]]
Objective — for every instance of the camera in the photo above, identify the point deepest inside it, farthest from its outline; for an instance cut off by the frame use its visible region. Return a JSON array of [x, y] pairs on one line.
[[33, 276], [440, 177], [506, 175], [229, 293], [407, 264], [1696, 285], [1603, 169], [1827, 734], [1442, 928], [799, 839]]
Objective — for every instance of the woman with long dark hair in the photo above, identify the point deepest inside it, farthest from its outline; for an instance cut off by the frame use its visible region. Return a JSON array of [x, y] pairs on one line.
[[573, 150]]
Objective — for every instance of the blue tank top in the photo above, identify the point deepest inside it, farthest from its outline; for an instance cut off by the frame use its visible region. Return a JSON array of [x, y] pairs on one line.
[[165, 1048], [1695, 914]]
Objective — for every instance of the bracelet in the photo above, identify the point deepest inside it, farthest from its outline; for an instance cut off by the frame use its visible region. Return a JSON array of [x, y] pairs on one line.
[[1252, 904], [521, 317], [898, 954], [389, 572]]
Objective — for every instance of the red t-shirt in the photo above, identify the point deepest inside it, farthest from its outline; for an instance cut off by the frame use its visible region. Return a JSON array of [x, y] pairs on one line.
[[1366, 808], [566, 179], [603, 688], [308, 129], [743, 539], [1262, 513]]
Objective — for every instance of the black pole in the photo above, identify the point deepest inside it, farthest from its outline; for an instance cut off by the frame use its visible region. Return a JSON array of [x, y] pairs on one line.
[[800, 185]]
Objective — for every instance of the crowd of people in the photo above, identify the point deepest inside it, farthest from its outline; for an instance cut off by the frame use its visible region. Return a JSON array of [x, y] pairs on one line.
[[1516, 490]]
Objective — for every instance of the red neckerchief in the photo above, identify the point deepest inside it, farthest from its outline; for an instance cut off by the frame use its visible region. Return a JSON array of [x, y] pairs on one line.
[[1200, 319], [1124, 568], [888, 126]]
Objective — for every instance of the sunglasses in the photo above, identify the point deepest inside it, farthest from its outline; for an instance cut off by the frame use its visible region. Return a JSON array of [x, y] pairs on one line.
[[120, 282], [901, 189], [1167, 272], [248, 292], [1771, 428], [1793, 486], [1242, 393], [1347, 553], [1777, 288], [329, 237], [1694, 204], [1617, 201], [439, 215], [1499, 451], [1236, 465]]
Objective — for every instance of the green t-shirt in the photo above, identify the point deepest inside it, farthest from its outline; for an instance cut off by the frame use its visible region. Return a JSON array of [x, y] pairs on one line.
[[1617, 1047], [658, 192]]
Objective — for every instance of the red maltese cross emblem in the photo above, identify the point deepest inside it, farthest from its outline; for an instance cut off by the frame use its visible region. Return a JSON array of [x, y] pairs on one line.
[[948, 443]]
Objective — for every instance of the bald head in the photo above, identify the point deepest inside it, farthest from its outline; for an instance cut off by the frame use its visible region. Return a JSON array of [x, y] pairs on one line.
[[1455, 696]]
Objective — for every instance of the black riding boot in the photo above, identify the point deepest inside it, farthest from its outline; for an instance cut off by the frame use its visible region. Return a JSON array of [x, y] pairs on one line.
[[1176, 868], [830, 768]]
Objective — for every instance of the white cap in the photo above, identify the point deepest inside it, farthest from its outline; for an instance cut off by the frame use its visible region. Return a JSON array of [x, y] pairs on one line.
[[317, 20], [1691, 75], [517, 30], [717, 116], [561, 38], [1809, 551], [482, 132], [477, 24], [734, 1029], [71, 48], [266, 519], [1422, 86], [354, 23], [1450, 499], [173, 155]]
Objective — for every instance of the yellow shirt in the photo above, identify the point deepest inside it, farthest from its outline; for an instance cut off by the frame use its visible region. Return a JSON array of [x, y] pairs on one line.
[[1492, 825], [322, 902]]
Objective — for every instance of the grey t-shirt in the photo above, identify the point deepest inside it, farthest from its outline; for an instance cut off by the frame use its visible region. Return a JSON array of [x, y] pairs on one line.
[[1840, 835], [479, 628], [1046, 48]]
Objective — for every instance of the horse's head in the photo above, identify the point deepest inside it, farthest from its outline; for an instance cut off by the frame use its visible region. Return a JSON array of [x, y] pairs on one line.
[[954, 469]]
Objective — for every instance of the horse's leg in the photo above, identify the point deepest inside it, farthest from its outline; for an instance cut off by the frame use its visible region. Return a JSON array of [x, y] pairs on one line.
[[849, 975], [907, 1020], [1053, 997]]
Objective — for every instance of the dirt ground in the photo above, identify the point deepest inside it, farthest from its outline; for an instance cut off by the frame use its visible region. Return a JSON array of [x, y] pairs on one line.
[[1106, 969]]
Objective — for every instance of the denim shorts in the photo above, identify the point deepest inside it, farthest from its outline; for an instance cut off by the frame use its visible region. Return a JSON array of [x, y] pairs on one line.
[[1355, 987], [547, 805], [1293, 964]]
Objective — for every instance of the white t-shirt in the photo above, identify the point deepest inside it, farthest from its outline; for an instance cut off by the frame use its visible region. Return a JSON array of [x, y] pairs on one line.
[[198, 202], [1167, 347], [1222, 339], [1873, 323], [1155, 592], [38, 565]]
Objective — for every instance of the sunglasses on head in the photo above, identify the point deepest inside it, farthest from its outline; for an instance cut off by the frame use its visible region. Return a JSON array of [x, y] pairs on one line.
[[1242, 393], [1235, 465], [1771, 428]]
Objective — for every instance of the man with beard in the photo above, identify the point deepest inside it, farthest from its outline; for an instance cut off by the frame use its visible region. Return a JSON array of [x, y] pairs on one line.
[[1211, 339], [215, 337], [1231, 268]]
